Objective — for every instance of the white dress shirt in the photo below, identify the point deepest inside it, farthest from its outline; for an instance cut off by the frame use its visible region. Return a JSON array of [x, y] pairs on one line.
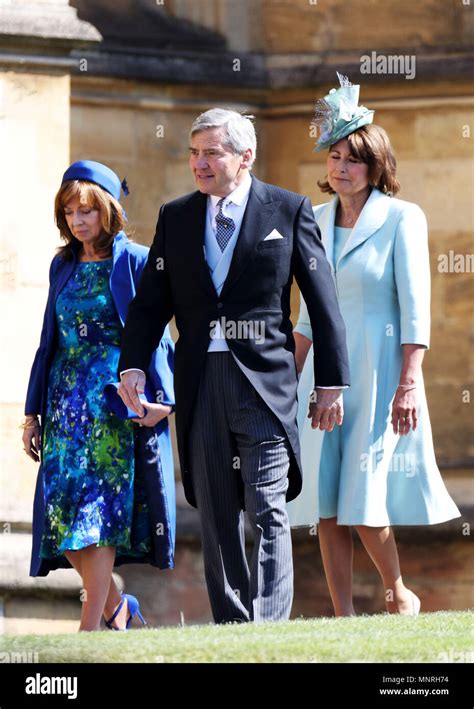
[[219, 261]]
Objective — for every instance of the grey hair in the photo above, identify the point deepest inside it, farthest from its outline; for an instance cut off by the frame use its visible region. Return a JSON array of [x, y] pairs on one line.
[[239, 131]]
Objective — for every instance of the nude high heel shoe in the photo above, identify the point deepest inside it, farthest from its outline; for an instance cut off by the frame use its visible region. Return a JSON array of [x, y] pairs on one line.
[[416, 605]]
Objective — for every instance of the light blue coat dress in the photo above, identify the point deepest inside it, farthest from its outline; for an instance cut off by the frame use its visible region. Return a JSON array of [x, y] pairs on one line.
[[362, 472]]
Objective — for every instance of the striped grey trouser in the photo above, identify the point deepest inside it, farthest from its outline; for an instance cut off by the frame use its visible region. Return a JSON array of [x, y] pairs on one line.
[[237, 443]]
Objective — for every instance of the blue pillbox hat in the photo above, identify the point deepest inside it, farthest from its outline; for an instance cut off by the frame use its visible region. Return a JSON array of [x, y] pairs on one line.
[[98, 173]]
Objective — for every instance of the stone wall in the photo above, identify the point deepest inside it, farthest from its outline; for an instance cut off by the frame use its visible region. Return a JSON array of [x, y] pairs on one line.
[[35, 146], [338, 25], [35, 124], [321, 26], [68, 95]]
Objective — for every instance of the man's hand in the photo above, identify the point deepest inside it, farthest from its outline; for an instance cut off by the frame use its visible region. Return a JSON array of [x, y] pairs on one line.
[[132, 384], [327, 410]]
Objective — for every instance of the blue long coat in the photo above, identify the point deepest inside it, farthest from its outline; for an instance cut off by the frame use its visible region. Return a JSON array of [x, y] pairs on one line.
[[154, 444], [362, 472]]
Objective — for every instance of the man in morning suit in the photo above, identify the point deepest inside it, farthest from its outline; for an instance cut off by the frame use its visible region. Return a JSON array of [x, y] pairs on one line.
[[222, 262]]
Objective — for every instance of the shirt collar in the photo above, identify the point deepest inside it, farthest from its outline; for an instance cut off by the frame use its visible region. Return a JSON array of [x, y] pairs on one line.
[[239, 195]]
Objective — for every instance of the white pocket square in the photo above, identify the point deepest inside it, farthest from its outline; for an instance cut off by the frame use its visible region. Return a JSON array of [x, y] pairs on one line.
[[273, 235]]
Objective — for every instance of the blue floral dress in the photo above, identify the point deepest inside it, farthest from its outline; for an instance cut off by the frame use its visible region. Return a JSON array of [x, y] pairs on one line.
[[88, 453]]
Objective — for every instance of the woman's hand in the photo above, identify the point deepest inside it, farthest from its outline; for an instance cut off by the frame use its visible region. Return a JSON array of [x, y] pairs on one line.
[[404, 410], [154, 414], [32, 438], [405, 403]]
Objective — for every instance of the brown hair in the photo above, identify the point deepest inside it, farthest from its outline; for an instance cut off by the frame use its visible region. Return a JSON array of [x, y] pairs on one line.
[[371, 144], [112, 216]]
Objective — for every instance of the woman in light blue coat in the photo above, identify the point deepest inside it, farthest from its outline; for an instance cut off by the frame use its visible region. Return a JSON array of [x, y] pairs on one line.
[[378, 468]]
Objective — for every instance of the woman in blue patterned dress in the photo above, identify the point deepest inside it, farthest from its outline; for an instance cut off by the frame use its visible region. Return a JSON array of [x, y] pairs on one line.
[[105, 491]]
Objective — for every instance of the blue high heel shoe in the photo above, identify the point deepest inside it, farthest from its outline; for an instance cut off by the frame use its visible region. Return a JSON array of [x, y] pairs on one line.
[[133, 609]]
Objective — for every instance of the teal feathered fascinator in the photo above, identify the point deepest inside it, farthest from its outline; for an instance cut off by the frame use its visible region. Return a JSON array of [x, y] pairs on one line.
[[338, 114]]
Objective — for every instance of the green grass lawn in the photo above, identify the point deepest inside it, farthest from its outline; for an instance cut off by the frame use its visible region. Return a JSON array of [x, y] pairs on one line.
[[432, 637]]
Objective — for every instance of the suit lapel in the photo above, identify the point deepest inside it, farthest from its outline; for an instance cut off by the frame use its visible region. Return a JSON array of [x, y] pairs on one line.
[[260, 207], [195, 226]]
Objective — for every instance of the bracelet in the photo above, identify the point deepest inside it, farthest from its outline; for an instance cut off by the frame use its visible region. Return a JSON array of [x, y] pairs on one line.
[[30, 423], [407, 387]]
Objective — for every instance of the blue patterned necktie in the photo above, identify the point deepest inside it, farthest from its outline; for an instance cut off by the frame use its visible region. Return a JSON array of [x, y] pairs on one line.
[[225, 227]]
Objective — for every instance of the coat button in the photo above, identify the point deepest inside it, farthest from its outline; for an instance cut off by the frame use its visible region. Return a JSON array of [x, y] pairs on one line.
[[220, 305]]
